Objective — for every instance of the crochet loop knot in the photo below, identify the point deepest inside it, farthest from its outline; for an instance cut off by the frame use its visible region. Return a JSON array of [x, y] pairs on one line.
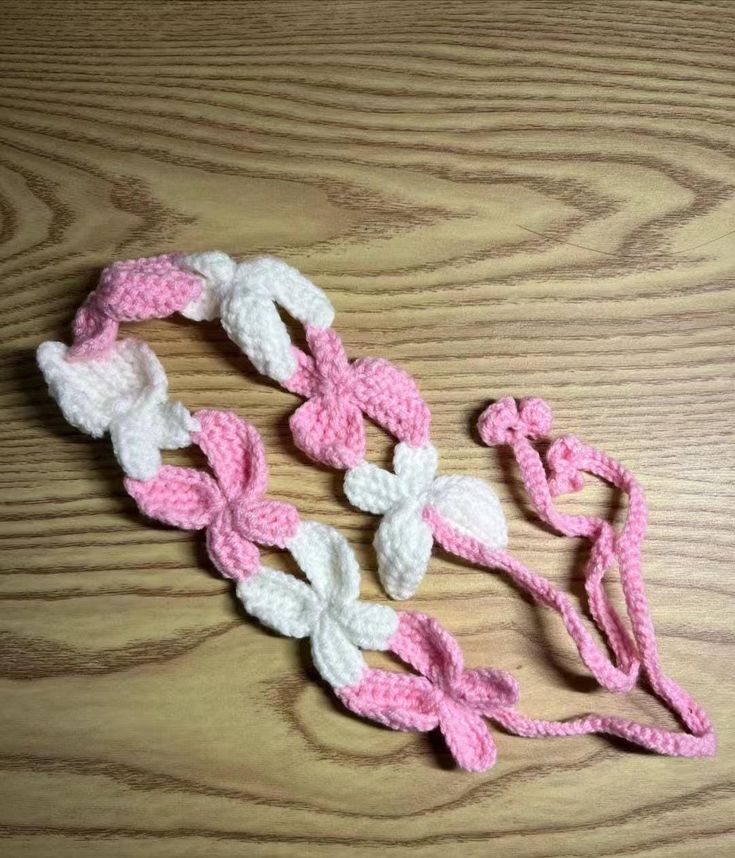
[[564, 460], [506, 420]]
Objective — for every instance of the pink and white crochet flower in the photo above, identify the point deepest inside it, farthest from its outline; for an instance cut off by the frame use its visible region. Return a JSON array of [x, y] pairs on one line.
[[329, 611], [329, 426], [124, 392], [231, 507], [404, 539], [445, 695]]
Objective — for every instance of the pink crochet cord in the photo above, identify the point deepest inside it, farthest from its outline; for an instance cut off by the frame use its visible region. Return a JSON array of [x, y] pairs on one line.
[[230, 507], [508, 423], [615, 678], [329, 426]]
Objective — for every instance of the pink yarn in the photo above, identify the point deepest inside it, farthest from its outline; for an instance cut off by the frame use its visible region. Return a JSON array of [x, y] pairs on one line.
[[617, 677], [129, 291], [445, 695], [231, 508], [508, 423], [329, 427]]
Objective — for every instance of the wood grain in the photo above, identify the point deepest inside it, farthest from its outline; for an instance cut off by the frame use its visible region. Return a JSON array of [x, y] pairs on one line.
[[504, 197]]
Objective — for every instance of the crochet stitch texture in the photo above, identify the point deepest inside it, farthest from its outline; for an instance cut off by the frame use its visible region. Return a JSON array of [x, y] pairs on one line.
[[105, 385], [231, 507]]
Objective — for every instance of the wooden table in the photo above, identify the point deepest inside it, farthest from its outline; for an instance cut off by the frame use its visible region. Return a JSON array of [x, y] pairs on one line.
[[503, 198]]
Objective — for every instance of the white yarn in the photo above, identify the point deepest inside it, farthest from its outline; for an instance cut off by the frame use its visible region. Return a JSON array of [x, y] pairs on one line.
[[244, 296], [404, 540], [217, 269], [123, 393], [329, 611]]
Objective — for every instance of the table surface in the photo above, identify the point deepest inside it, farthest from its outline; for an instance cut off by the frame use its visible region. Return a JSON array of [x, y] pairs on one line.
[[503, 198]]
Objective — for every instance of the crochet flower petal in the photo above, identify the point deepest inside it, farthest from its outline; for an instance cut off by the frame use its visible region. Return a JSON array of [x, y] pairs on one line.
[[252, 322], [398, 700], [81, 390], [486, 689], [369, 626], [389, 396], [471, 507], [330, 430], [403, 543], [139, 435], [135, 444], [289, 288], [467, 737], [281, 602], [337, 659], [421, 642], [415, 466], [183, 497], [233, 555], [174, 426], [267, 522], [217, 271], [328, 352], [372, 489], [327, 559], [93, 392], [235, 453], [148, 368], [129, 291], [305, 380], [94, 333], [151, 288]]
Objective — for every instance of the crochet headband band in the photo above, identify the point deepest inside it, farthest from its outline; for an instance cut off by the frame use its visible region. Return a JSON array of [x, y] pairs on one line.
[[103, 385]]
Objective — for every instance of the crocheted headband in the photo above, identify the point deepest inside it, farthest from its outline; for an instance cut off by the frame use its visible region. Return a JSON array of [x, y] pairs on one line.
[[106, 385]]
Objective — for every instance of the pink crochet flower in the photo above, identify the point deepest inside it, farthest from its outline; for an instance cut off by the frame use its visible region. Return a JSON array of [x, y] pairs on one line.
[[329, 427], [130, 291], [446, 696], [506, 419], [231, 507]]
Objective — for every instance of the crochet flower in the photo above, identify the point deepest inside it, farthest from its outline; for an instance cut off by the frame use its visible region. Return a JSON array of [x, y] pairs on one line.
[[123, 393], [130, 291], [230, 507], [404, 539], [329, 611], [329, 427], [244, 295], [445, 695]]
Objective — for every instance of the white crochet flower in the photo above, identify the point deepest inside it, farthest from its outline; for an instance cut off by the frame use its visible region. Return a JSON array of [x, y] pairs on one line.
[[328, 611], [404, 540], [123, 393], [244, 296]]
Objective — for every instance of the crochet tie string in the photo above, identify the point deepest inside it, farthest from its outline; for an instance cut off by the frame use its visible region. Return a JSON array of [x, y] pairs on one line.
[[618, 677], [506, 422], [516, 424]]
